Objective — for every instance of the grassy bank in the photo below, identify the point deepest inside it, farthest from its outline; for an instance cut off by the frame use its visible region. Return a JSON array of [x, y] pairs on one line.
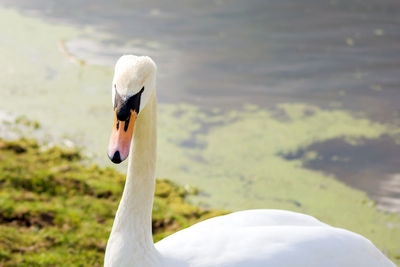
[[55, 211]]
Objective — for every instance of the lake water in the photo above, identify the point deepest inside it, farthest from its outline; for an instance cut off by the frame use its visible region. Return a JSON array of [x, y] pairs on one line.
[[223, 54], [228, 52]]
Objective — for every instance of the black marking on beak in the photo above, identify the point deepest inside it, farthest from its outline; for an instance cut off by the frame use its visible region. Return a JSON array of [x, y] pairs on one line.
[[125, 105], [116, 157], [127, 124]]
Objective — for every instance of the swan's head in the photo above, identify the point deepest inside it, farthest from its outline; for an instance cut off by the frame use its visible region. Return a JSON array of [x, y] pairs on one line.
[[133, 83]]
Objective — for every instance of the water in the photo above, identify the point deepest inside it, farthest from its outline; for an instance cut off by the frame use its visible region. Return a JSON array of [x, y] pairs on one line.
[[371, 166], [225, 53]]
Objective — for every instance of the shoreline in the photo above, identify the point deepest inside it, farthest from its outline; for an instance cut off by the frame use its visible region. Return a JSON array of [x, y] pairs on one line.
[[58, 211]]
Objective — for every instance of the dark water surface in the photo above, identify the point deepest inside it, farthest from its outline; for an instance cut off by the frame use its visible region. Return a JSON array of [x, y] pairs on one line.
[[228, 52], [371, 165], [224, 53]]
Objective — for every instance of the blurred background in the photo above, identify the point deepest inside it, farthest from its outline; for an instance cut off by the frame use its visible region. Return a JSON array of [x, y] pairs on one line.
[[262, 103]]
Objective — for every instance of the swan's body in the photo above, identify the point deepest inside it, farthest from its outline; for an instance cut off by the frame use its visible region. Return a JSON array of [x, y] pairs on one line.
[[248, 238], [260, 238]]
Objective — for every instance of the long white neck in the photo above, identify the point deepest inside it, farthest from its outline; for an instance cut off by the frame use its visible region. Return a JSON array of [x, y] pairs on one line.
[[131, 242]]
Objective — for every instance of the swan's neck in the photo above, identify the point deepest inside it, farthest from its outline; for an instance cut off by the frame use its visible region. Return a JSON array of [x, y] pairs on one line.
[[131, 242]]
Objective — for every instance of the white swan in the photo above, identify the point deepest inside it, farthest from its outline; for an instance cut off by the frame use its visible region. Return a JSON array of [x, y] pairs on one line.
[[247, 238]]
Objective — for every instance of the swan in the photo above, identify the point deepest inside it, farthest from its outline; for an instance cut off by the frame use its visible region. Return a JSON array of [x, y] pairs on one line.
[[251, 238]]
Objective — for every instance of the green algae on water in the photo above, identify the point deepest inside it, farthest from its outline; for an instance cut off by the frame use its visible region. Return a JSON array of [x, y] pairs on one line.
[[241, 156]]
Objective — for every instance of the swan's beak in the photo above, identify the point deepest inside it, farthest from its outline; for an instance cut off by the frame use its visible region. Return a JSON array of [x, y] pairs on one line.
[[121, 136]]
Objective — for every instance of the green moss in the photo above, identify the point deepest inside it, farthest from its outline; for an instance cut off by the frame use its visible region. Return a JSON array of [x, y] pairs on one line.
[[56, 211]]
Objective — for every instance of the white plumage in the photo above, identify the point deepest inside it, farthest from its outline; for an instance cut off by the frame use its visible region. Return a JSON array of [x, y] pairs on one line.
[[251, 238], [262, 238]]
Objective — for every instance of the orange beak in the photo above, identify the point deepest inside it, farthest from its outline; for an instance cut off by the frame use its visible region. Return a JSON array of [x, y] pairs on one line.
[[121, 136]]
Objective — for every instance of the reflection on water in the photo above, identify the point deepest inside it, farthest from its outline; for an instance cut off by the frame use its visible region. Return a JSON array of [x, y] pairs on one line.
[[227, 52]]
